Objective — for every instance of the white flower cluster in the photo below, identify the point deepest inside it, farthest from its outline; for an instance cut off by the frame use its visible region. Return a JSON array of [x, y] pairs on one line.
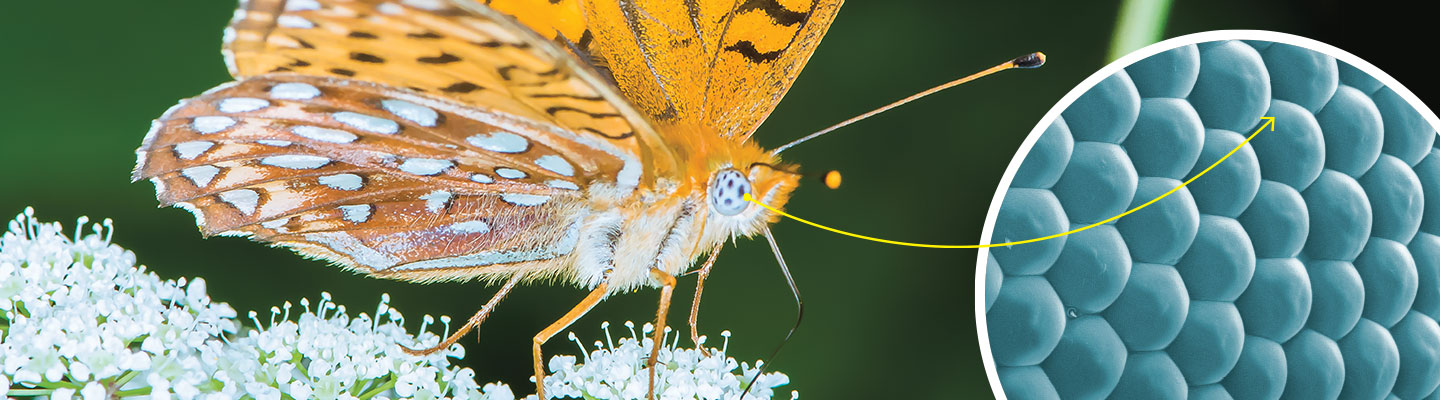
[[79, 319], [326, 354], [618, 371]]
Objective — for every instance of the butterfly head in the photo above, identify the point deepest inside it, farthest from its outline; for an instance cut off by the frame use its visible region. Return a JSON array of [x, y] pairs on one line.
[[727, 192], [728, 186]]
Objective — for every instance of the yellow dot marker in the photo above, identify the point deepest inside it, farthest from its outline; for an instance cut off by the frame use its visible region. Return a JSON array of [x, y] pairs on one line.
[[1269, 123], [832, 179]]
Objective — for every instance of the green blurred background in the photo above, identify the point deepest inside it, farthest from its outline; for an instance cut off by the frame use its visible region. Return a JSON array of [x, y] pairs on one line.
[[81, 80]]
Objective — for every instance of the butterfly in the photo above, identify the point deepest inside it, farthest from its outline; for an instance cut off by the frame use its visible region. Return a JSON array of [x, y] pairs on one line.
[[594, 143]]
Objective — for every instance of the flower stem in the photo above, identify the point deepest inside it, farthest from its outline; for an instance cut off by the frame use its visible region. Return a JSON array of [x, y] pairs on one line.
[[132, 392], [120, 382], [388, 384], [57, 385]]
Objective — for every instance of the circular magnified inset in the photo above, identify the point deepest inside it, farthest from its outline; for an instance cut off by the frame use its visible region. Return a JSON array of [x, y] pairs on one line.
[[1306, 265]]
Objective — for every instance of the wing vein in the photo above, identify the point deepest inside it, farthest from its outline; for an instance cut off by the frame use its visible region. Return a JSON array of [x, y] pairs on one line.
[[631, 21]]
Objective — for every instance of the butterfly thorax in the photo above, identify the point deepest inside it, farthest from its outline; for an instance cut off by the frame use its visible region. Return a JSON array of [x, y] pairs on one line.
[[682, 214]]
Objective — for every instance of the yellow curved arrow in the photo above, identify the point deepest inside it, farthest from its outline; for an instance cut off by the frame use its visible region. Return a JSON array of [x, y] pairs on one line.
[[1269, 122]]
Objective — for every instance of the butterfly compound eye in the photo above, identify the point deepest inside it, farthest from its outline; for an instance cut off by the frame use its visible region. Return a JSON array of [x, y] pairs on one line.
[[727, 192]]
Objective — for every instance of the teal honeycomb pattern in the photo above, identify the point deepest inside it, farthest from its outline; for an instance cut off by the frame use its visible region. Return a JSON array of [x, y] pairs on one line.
[[1307, 266]]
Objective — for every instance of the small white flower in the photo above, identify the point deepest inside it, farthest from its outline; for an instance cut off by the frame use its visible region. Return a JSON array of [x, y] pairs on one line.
[[93, 391], [187, 391]]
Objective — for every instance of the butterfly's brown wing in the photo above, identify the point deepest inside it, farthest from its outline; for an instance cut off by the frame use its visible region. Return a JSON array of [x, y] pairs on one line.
[[724, 64], [398, 175], [373, 178], [456, 49]]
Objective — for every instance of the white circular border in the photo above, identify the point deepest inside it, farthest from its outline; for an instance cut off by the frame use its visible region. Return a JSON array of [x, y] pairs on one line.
[[982, 331]]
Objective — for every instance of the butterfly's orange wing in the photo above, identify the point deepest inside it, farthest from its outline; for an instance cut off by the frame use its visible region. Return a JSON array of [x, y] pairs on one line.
[[456, 49], [553, 19], [428, 169], [723, 64]]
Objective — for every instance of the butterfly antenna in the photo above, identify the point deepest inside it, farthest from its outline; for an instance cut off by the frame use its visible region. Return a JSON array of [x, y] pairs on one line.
[[1031, 60], [799, 311]]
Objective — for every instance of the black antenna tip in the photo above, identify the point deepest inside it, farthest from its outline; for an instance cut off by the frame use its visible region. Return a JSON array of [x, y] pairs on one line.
[[1032, 60]]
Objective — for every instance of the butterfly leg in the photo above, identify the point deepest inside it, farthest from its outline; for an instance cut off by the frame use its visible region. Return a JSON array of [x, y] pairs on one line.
[[667, 287], [474, 322], [564, 322], [695, 306]]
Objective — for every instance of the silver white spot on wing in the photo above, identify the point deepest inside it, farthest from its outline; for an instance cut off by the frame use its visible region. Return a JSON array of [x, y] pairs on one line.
[[425, 166], [190, 150], [389, 8], [476, 226], [276, 224], [420, 115], [225, 53], [348, 245], [367, 123], [562, 184], [200, 175], [342, 181], [294, 21], [302, 5], [199, 216], [295, 161], [155, 126], [499, 142], [159, 186], [274, 143], [211, 124], [509, 173], [241, 104], [324, 134], [436, 200], [245, 200], [564, 246], [294, 91], [429, 5], [482, 178], [356, 213], [555, 164], [526, 200]]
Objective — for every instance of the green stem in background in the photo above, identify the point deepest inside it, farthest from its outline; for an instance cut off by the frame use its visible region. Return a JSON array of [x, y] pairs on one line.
[[132, 392], [126, 379], [389, 383], [58, 385], [1141, 23]]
